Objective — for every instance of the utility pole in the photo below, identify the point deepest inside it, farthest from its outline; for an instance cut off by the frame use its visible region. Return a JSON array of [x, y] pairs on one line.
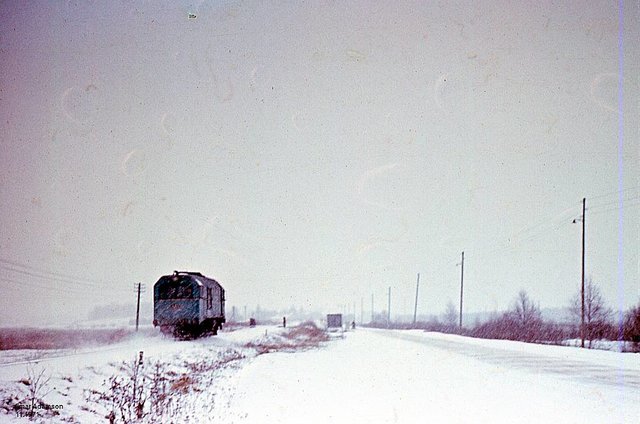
[[372, 308], [415, 309], [584, 208], [389, 309], [139, 288], [361, 310], [582, 219], [461, 286]]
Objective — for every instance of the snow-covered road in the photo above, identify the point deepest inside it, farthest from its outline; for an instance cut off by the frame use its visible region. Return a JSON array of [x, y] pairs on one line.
[[379, 376], [591, 366]]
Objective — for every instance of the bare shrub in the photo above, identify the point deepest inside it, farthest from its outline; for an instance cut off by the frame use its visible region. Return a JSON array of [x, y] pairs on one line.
[[159, 390], [38, 385], [597, 316], [134, 394], [126, 394], [631, 327], [30, 402]]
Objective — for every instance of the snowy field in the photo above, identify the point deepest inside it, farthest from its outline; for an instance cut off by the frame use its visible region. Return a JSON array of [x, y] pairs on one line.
[[373, 376]]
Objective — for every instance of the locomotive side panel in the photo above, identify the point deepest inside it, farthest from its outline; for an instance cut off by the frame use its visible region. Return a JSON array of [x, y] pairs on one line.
[[213, 300]]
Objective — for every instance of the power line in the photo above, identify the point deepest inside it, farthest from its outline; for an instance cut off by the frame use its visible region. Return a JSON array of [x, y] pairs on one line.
[[617, 192], [615, 202], [543, 227], [25, 286], [49, 273], [13, 266], [544, 221], [617, 208], [553, 223], [31, 274], [74, 284]]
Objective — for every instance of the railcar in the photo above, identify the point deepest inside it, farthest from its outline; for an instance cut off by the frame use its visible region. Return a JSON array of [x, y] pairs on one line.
[[188, 304]]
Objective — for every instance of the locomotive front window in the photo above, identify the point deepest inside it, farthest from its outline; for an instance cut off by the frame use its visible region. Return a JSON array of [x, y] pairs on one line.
[[182, 290]]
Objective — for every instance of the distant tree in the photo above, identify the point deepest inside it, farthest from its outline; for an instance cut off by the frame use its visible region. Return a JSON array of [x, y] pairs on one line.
[[526, 318], [451, 315], [631, 327], [525, 311], [597, 316]]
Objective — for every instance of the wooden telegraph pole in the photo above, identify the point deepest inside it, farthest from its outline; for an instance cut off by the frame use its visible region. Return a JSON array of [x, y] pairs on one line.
[[372, 317], [461, 287], [139, 288], [415, 309], [584, 208], [389, 310]]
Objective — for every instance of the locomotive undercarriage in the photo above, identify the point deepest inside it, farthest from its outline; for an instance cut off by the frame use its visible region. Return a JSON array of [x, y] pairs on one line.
[[191, 330]]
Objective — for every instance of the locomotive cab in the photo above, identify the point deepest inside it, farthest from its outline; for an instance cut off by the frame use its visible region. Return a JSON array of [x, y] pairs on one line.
[[188, 304]]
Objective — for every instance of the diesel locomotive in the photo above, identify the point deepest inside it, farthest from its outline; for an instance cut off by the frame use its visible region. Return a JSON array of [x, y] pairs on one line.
[[188, 304]]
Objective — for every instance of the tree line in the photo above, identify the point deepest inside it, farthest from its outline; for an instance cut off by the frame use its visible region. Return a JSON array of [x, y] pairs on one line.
[[523, 321]]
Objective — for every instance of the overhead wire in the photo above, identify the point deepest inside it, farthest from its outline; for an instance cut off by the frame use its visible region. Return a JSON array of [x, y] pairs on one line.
[[617, 208], [51, 274], [538, 229], [23, 286], [553, 223], [614, 202], [74, 284], [612, 193], [70, 282]]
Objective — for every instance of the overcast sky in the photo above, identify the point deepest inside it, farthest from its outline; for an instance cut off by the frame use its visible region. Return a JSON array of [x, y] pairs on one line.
[[316, 153]]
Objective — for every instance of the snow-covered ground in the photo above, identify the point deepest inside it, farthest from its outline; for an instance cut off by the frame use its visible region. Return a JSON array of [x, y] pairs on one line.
[[378, 376], [74, 373], [373, 376]]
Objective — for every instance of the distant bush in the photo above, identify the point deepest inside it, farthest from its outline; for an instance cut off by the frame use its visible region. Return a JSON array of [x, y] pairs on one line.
[[506, 327], [631, 327]]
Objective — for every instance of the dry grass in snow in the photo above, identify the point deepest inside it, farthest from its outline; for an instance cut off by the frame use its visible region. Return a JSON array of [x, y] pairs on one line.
[[305, 336]]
